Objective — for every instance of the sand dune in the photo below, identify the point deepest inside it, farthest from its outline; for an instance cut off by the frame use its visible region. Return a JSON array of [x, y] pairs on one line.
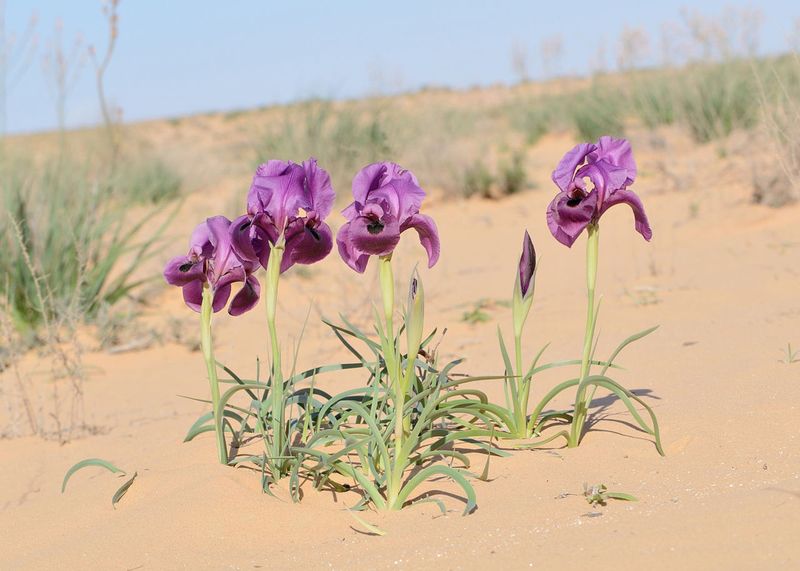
[[720, 277]]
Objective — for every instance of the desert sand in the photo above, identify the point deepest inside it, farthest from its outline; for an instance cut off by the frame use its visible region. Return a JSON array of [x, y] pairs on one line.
[[720, 277]]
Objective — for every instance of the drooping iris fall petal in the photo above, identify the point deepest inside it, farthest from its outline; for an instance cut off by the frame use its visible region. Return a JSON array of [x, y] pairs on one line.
[[567, 217]]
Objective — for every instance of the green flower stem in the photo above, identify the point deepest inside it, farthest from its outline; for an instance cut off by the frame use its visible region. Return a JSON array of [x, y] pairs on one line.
[[395, 479], [206, 344], [276, 392], [521, 400], [581, 404]]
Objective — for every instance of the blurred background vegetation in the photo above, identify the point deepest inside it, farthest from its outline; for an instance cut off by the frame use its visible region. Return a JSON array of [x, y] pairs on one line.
[[83, 210]]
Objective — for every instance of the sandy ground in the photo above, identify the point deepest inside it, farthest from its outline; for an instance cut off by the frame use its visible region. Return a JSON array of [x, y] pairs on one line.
[[721, 278]]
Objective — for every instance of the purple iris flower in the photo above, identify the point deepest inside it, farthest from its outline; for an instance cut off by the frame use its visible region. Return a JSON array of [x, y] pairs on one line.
[[387, 201], [610, 167], [290, 200], [211, 260]]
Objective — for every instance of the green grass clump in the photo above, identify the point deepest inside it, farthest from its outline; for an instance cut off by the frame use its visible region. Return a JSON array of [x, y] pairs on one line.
[[596, 112], [532, 118], [342, 140], [147, 180], [714, 100], [68, 248], [478, 180], [513, 177], [653, 99]]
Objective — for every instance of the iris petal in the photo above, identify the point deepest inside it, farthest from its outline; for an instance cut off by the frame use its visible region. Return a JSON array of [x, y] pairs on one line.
[[181, 270], [354, 258], [375, 237], [246, 298], [566, 220], [319, 191], [193, 295], [625, 196], [428, 235], [387, 202], [565, 171], [306, 245], [221, 296]]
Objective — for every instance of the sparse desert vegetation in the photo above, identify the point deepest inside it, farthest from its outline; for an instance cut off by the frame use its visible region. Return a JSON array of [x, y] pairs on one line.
[[365, 352]]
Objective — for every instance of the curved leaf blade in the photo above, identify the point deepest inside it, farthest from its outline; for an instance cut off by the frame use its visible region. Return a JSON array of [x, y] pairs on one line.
[[85, 464]]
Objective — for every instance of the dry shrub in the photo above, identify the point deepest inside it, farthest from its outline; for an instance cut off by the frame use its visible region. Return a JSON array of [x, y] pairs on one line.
[[780, 185]]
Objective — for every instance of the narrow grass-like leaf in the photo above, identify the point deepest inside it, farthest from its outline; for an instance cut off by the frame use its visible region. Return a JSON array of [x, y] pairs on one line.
[[426, 473], [199, 425], [625, 343], [86, 463], [236, 378], [625, 396], [123, 489], [484, 477], [372, 529]]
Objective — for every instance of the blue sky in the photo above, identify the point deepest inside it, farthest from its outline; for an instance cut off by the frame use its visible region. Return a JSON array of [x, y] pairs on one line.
[[186, 56]]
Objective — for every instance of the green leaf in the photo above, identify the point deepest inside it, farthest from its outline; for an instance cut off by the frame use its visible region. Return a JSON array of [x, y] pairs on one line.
[[504, 352], [372, 529], [625, 343], [484, 477], [323, 369], [621, 496], [86, 463], [439, 503], [236, 378], [199, 428], [426, 473], [569, 362], [625, 396], [122, 490]]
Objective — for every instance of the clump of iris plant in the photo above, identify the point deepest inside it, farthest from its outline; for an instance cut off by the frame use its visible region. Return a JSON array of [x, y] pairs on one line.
[[403, 418], [285, 225], [610, 169], [390, 435], [207, 274], [387, 199], [513, 422]]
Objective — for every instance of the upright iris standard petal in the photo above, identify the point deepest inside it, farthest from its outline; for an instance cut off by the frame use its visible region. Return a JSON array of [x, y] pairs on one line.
[[212, 261], [611, 168], [277, 190], [318, 193], [617, 152], [290, 202], [527, 264], [387, 199], [564, 173]]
